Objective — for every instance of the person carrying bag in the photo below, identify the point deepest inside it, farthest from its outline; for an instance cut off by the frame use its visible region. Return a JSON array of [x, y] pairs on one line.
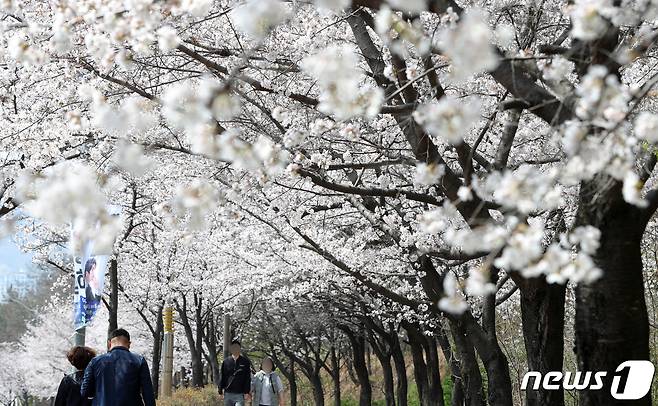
[[267, 388]]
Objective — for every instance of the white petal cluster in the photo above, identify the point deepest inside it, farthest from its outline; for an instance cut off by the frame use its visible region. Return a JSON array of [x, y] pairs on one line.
[[19, 49], [439, 219], [465, 193], [257, 18], [469, 46], [574, 134], [586, 238], [194, 109], [332, 5], [479, 282], [448, 119], [646, 126], [61, 38], [559, 264], [113, 31], [186, 105], [526, 189], [342, 94], [588, 22], [194, 202], [523, 247], [505, 35], [196, 8], [631, 189], [131, 158], [321, 159], [398, 33], [551, 265], [133, 115], [168, 38], [351, 131], [558, 69], [8, 6], [602, 99], [69, 193], [488, 237], [428, 174], [612, 153], [270, 155], [453, 301], [580, 269], [225, 106], [293, 137], [99, 46]]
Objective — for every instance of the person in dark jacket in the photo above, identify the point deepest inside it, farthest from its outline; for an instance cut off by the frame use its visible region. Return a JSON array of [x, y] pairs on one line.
[[68, 393], [235, 378], [119, 377]]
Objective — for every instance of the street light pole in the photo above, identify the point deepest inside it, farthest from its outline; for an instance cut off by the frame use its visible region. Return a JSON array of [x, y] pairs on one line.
[[79, 336], [227, 334], [168, 350]]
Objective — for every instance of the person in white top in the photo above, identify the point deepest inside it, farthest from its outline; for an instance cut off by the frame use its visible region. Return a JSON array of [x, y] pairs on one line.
[[267, 388]]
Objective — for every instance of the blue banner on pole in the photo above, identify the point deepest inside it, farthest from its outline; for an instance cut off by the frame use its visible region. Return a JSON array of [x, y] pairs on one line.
[[90, 266], [89, 283]]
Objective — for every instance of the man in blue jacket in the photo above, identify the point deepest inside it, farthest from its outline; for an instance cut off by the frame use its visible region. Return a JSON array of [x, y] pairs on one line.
[[119, 377]]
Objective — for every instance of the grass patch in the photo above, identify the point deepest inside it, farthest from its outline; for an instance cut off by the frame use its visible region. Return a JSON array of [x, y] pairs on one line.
[[207, 396]]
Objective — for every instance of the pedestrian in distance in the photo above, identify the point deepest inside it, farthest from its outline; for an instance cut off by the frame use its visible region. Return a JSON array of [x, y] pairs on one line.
[[235, 378], [267, 388], [119, 377], [68, 393]]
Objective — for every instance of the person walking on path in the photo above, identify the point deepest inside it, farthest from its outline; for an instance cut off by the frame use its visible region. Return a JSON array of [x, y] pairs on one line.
[[119, 377], [267, 388], [235, 378], [68, 393]]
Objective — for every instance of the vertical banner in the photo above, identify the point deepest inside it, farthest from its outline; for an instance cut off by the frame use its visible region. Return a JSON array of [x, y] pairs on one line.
[[89, 279], [89, 284]]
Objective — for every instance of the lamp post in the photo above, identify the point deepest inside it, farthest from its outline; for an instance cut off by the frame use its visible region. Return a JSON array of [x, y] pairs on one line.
[[168, 350], [227, 334], [79, 336]]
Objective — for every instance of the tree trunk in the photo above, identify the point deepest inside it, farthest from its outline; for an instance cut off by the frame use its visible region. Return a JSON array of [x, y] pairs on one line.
[[499, 388], [433, 372], [113, 308], [360, 366], [400, 368], [420, 368], [470, 370], [292, 380], [197, 367], [335, 375], [318, 391], [288, 372], [542, 314], [195, 352], [383, 354], [157, 352], [611, 315], [389, 382], [455, 367], [197, 364], [210, 339], [311, 370]]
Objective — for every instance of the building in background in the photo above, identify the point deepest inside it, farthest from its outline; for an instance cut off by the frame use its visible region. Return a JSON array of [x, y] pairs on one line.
[[16, 270], [21, 280]]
